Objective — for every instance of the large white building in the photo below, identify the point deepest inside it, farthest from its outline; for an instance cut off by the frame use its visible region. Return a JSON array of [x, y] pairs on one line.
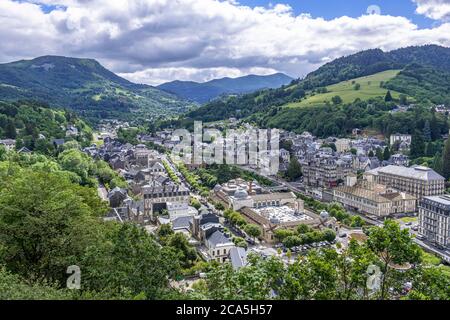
[[434, 220], [418, 181], [400, 138], [373, 199]]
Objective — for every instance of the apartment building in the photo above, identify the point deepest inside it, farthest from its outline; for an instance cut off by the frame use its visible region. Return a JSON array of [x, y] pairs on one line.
[[326, 170], [434, 220]]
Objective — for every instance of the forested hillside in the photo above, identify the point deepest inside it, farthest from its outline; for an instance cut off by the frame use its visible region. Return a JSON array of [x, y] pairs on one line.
[[86, 86], [35, 126], [418, 75]]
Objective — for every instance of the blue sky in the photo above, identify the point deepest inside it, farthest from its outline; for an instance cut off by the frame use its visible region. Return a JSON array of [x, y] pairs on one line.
[[330, 9], [155, 41]]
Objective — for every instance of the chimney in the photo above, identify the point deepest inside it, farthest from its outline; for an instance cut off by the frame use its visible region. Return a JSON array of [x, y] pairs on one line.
[[250, 188], [351, 180]]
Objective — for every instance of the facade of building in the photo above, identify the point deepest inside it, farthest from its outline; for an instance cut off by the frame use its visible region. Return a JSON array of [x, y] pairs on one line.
[[418, 181], [400, 138], [434, 220], [325, 171], [373, 199], [161, 195], [342, 145], [9, 144]]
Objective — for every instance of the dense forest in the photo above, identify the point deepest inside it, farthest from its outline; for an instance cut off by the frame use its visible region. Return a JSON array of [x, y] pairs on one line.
[[35, 125]]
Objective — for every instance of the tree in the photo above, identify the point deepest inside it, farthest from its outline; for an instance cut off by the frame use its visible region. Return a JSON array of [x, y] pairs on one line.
[[195, 203], [435, 131], [427, 131], [388, 97], [357, 86], [129, 261], [329, 235], [303, 228], [10, 129], [187, 253], [379, 154], [281, 234], [417, 145], [392, 246], [371, 154], [294, 170], [386, 154], [46, 222], [446, 160], [253, 230], [437, 163], [403, 100], [292, 241], [336, 100]]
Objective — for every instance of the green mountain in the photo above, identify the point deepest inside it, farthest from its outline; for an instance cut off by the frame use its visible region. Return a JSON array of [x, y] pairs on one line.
[[35, 126], [85, 86], [207, 91], [420, 73]]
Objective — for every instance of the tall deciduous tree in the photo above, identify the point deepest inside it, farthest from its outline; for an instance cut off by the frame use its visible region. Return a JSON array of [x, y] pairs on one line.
[[417, 145], [294, 170], [446, 160]]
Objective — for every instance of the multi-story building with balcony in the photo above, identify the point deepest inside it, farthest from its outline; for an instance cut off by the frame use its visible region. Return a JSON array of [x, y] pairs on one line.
[[326, 170], [434, 220]]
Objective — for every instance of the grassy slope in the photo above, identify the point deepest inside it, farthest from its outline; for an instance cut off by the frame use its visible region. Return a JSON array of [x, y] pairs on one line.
[[370, 88]]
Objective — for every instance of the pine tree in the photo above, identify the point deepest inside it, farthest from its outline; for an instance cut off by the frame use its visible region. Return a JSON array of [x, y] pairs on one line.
[[417, 145], [371, 154], [294, 170], [386, 154], [10, 130], [434, 127], [427, 131], [437, 163], [379, 154], [446, 160], [430, 150], [388, 97]]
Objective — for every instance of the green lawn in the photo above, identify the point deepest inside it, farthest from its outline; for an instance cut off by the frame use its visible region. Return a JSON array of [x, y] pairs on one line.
[[370, 88], [409, 219]]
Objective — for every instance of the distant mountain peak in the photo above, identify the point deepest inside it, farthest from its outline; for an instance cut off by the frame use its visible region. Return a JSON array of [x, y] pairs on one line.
[[205, 91]]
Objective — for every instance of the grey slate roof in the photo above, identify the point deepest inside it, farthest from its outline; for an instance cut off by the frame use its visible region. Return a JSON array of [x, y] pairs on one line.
[[181, 223], [238, 257], [218, 238], [418, 172]]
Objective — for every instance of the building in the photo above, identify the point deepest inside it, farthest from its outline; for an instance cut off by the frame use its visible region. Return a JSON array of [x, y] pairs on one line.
[[207, 229], [373, 199], [156, 198], [219, 246], [434, 220], [325, 171], [399, 160], [285, 155], [238, 257], [400, 138], [342, 145], [9, 144], [418, 181]]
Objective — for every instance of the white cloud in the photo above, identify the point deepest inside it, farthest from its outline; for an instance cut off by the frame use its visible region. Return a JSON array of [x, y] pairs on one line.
[[434, 9], [152, 41]]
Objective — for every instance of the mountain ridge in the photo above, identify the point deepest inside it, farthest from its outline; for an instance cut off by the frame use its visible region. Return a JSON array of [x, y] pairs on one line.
[[84, 85], [202, 92]]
